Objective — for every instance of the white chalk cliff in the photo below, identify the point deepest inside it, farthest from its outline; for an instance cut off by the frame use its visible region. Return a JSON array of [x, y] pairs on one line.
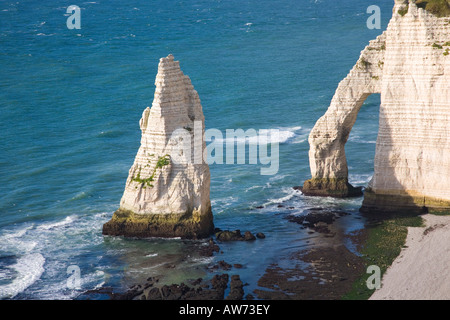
[[167, 190], [409, 66]]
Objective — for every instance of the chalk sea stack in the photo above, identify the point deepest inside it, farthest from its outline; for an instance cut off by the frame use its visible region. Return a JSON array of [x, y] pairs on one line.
[[167, 190], [409, 66]]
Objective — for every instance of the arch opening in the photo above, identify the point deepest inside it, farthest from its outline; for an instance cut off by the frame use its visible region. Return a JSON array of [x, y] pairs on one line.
[[360, 146]]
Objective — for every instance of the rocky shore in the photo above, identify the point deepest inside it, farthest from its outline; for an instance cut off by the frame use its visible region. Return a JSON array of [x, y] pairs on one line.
[[327, 271]]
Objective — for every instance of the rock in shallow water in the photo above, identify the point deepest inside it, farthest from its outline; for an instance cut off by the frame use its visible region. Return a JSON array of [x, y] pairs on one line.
[[317, 219], [260, 235], [214, 289], [236, 288], [167, 190], [209, 249], [235, 235]]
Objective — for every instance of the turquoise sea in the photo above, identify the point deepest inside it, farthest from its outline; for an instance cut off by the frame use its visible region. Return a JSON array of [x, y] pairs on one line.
[[70, 104]]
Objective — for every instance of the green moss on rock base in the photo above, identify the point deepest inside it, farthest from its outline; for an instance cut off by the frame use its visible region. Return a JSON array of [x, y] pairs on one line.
[[330, 187], [187, 226], [394, 201]]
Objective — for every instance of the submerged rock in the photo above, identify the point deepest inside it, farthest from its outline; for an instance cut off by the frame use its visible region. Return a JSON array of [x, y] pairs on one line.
[[317, 219], [198, 289], [220, 265], [209, 249], [167, 190], [236, 288], [235, 235], [260, 235], [248, 236]]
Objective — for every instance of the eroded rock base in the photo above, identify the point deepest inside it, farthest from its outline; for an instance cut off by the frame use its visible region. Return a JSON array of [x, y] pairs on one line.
[[330, 187], [401, 202], [187, 226]]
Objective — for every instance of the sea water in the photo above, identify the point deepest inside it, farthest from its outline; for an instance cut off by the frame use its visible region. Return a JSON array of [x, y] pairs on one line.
[[70, 104]]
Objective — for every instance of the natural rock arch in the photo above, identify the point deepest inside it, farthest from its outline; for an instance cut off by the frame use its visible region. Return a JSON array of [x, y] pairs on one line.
[[409, 65], [328, 137]]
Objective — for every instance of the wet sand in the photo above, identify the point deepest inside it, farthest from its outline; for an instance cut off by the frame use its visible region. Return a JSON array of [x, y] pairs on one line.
[[325, 272]]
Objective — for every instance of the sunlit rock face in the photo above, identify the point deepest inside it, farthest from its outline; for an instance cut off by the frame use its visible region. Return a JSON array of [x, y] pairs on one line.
[[409, 65], [167, 190]]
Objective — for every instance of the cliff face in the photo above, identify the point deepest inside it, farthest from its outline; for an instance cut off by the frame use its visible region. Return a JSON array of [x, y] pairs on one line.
[[167, 190], [409, 65]]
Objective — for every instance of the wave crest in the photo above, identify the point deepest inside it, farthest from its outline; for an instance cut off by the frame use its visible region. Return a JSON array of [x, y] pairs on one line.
[[29, 268]]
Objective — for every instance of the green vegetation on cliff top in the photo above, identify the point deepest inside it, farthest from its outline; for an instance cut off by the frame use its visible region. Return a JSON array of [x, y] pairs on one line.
[[440, 8]]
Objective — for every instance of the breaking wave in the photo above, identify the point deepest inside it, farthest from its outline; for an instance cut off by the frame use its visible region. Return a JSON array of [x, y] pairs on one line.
[[29, 268], [264, 136]]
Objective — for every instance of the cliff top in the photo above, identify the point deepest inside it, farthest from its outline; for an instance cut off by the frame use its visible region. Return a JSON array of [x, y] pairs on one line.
[[440, 8]]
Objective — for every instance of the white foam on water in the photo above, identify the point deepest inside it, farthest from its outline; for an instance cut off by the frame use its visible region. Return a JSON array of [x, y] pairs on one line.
[[358, 139], [359, 178], [266, 136], [202, 260], [49, 226], [15, 234], [29, 268], [79, 196], [275, 136], [54, 240], [252, 187], [96, 276], [61, 291], [156, 266], [223, 202], [289, 194], [12, 241], [278, 177], [299, 140], [151, 255]]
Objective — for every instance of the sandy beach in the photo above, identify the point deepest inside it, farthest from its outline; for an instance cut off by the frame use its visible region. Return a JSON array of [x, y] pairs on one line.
[[420, 272]]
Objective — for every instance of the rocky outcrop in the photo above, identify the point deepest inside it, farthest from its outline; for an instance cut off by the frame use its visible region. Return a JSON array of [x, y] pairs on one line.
[[328, 137], [317, 219], [227, 235], [409, 65], [199, 289], [167, 190]]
